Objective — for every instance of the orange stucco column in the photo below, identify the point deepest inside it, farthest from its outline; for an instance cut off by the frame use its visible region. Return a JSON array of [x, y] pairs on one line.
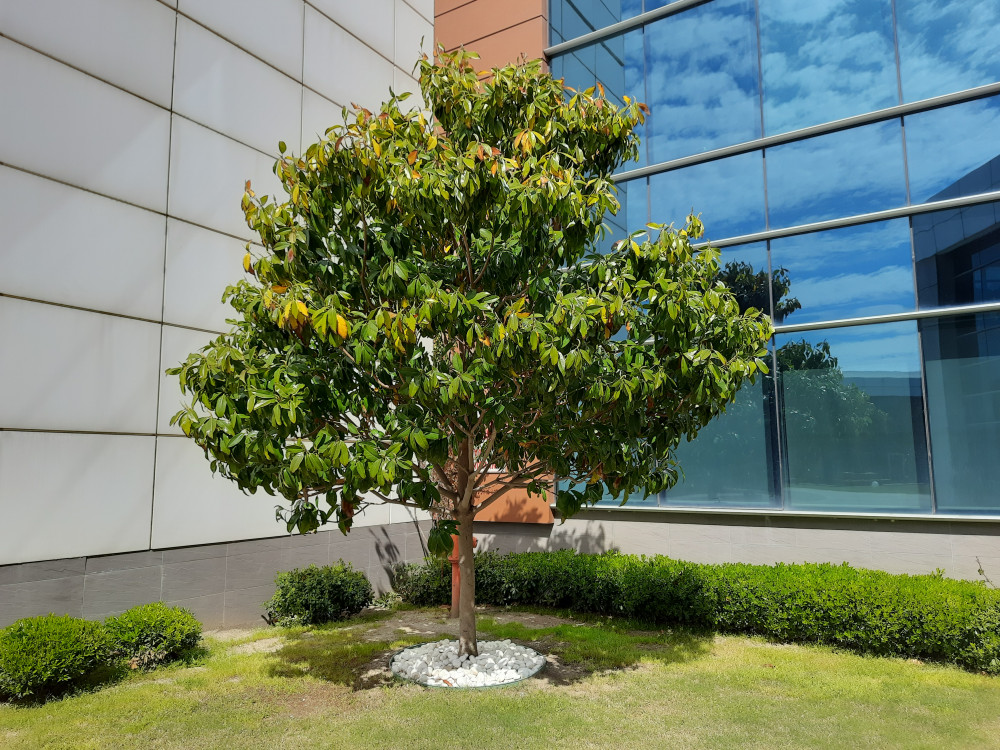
[[501, 32]]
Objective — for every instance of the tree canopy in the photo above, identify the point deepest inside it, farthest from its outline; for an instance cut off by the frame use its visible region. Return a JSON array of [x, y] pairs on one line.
[[426, 320]]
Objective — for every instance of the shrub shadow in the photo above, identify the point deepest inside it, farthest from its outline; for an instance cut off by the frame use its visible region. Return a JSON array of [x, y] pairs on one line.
[[341, 655]]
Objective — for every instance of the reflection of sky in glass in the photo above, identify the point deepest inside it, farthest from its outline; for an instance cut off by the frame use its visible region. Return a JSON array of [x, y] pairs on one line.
[[946, 147], [702, 85], [889, 348], [728, 193], [947, 46], [841, 174], [572, 18], [848, 273], [825, 59]]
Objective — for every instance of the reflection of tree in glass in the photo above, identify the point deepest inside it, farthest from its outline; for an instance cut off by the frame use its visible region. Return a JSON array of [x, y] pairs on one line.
[[817, 398], [821, 409], [750, 289]]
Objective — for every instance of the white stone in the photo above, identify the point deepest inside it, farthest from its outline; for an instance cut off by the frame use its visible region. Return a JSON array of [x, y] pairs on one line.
[[439, 664]]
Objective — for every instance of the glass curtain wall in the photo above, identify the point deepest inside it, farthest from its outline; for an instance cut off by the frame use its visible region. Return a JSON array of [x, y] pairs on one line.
[[845, 156]]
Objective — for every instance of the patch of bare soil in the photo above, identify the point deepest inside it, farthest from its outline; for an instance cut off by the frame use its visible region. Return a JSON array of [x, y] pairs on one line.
[[231, 634], [408, 622], [263, 646]]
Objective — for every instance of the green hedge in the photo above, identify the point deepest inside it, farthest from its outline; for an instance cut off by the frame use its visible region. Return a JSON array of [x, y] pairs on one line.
[[153, 634], [42, 656], [311, 596], [868, 611]]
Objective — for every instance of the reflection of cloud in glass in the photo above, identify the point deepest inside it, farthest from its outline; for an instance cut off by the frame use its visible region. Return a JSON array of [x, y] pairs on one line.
[[841, 174], [728, 193], [947, 46], [944, 145], [849, 272], [887, 348], [825, 59], [702, 86]]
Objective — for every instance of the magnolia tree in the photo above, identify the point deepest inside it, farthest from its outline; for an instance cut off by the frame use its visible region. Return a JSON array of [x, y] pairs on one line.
[[428, 322]]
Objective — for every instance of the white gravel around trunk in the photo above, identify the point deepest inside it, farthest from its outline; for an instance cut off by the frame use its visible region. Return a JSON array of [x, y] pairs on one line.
[[438, 664]]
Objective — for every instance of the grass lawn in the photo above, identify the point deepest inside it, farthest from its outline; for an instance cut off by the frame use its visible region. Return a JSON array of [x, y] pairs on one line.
[[608, 685]]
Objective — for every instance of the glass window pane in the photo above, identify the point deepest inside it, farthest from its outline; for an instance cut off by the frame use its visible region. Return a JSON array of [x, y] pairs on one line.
[[841, 174], [958, 255], [702, 85], [728, 193], [954, 151], [962, 361], [825, 59], [573, 18], [947, 45], [853, 422], [843, 273], [733, 461]]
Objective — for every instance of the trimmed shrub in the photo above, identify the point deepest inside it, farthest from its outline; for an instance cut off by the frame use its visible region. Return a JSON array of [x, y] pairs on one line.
[[868, 611], [424, 585], [311, 596], [42, 656], [153, 634]]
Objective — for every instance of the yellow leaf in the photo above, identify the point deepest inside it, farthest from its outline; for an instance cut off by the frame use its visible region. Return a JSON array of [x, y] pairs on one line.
[[295, 194], [341, 327], [279, 288], [411, 157], [376, 148], [302, 310], [248, 263], [432, 142]]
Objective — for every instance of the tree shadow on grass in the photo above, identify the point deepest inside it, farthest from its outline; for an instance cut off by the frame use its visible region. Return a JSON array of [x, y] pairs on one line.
[[573, 651]]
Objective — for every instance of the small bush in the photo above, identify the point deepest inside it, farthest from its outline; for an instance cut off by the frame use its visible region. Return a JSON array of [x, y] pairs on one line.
[[41, 656], [153, 634], [868, 611], [311, 596], [424, 585]]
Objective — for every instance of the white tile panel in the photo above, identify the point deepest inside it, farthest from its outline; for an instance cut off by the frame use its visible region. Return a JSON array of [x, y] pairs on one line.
[[65, 124], [200, 265], [403, 83], [113, 261], [127, 43], [371, 21], [270, 29], [219, 85], [424, 8], [374, 515], [207, 175], [193, 506], [75, 370], [414, 34], [65, 495], [177, 344], [318, 114], [340, 67]]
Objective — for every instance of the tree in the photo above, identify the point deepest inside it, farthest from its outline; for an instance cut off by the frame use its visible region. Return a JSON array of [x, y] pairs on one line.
[[427, 306]]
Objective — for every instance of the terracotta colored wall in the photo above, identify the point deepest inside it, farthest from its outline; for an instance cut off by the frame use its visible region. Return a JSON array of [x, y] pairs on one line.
[[501, 31]]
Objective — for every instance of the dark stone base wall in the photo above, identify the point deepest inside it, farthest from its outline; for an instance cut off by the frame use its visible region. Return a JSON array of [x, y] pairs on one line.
[[223, 584]]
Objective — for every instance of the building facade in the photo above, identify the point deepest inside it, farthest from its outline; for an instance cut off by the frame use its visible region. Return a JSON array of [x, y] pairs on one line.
[[127, 131]]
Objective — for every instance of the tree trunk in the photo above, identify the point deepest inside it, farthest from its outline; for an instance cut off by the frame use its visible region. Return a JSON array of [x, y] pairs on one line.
[[467, 643]]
